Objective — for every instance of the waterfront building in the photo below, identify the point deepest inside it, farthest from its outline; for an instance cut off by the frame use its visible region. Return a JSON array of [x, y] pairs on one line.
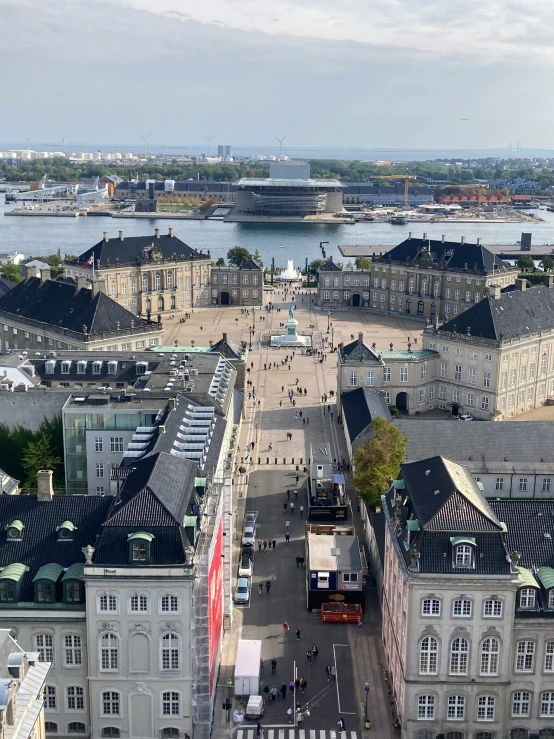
[[338, 287], [46, 315], [467, 602], [242, 285], [221, 192], [148, 275], [368, 193]]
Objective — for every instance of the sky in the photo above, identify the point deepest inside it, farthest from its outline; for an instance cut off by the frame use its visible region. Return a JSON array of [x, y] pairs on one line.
[[337, 73]]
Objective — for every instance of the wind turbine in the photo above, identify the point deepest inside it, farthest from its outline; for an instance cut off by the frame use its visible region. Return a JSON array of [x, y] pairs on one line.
[[27, 140], [145, 139], [281, 144], [210, 139], [64, 142]]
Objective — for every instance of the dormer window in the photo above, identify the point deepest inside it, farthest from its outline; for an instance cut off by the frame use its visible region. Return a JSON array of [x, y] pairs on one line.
[[14, 531], [551, 598], [96, 367], [141, 368], [45, 582], [527, 598], [81, 367], [463, 551], [50, 366], [139, 547], [65, 531], [112, 367], [73, 585], [11, 578], [66, 367]]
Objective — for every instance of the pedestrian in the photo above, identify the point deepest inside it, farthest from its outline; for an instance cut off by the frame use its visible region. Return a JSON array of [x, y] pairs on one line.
[[292, 506], [288, 494], [265, 544], [280, 404], [259, 731], [286, 627], [274, 544], [285, 506], [341, 724], [287, 537], [287, 525], [298, 633], [315, 650], [297, 685], [333, 672], [360, 623], [328, 671], [301, 511], [282, 388], [307, 420], [260, 588], [304, 421], [297, 562], [270, 446], [309, 656], [268, 585], [273, 666], [259, 545], [273, 694], [296, 415], [296, 491], [299, 716], [283, 691], [303, 684], [291, 687], [289, 714]]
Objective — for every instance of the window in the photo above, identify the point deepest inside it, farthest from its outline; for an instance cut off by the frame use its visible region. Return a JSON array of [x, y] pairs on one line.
[[423, 372], [99, 469], [170, 732], [525, 656], [386, 374], [532, 370], [442, 392], [504, 380], [456, 708], [171, 703], [457, 371], [485, 708], [455, 396], [107, 604], [486, 379], [425, 707], [522, 484], [75, 698], [138, 604], [490, 650], [370, 379], [471, 374], [326, 294], [353, 378], [547, 703], [543, 365], [462, 608], [463, 555], [444, 369], [422, 396], [350, 577], [169, 604], [386, 397], [428, 654], [110, 703], [485, 403], [493, 608], [499, 483], [170, 652], [116, 444], [109, 653], [245, 294], [403, 374], [50, 727], [98, 444], [72, 651], [486, 735], [546, 485], [112, 732], [76, 727], [527, 598], [44, 645], [521, 703], [549, 656], [50, 700], [459, 651], [45, 592], [470, 399]]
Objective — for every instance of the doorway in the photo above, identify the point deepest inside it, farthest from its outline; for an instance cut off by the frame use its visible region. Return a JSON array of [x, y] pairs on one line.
[[224, 298], [455, 410], [402, 402], [355, 300]]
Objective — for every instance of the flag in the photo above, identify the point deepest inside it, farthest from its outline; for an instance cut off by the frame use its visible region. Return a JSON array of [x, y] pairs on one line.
[[89, 262]]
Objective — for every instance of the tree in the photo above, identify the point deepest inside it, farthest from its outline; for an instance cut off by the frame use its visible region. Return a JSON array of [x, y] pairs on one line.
[[526, 263], [257, 257], [11, 272], [363, 262], [547, 263], [238, 255], [378, 460], [315, 266], [39, 455], [220, 262]]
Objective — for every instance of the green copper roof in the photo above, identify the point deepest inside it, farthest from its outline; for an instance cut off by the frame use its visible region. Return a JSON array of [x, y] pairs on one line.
[[190, 521], [413, 524], [75, 572], [66, 525], [199, 482], [19, 525], [455, 540], [546, 576], [398, 484], [415, 354], [140, 535], [50, 572], [14, 572], [528, 578]]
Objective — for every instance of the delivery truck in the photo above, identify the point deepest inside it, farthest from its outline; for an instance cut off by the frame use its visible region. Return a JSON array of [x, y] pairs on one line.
[[247, 667]]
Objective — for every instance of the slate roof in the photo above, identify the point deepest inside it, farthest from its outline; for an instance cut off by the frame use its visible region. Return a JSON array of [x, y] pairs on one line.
[[130, 249], [250, 264], [527, 522], [330, 266], [39, 545], [5, 286], [436, 555], [228, 348], [514, 314], [59, 305], [451, 254], [360, 407], [359, 351]]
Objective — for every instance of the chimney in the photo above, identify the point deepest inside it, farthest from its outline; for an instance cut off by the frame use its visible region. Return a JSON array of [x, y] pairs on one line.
[[30, 271], [45, 274], [98, 286], [495, 291], [479, 241], [105, 235], [549, 281], [81, 283], [121, 236], [521, 284], [360, 336], [170, 232], [224, 336], [424, 237], [410, 234], [463, 240], [443, 238], [157, 233], [172, 403], [45, 491]]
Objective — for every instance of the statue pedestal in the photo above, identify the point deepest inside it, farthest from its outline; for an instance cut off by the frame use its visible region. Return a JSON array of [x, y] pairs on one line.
[[291, 325], [291, 337]]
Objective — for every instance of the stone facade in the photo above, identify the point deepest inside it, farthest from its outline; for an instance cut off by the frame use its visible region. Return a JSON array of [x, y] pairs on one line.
[[242, 285]]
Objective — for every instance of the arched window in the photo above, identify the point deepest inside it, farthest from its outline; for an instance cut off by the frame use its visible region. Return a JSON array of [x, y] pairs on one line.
[[420, 308], [546, 734], [170, 652], [519, 734], [171, 703], [109, 653], [428, 655], [158, 282], [145, 283], [433, 310], [455, 708], [110, 703], [425, 734], [76, 727], [424, 287], [408, 305], [459, 650], [463, 555], [173, 304], [484, 735], [170, 732], [110, 732], [44, 645], [50, 727], [490, 650], [148, 305], [160, 303], [426, 707], [547, 703], [454, 735]]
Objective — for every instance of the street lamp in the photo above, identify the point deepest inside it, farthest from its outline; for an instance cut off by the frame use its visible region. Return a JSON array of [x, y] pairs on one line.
[[332, 337], [251, 332], [256, 424], [367, 721], [328, 320], [253, 319]]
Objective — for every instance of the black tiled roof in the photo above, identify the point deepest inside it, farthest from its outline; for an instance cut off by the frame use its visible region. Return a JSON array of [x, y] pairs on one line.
[[59, 305], [515, 313], [167, 547], [228, 348], [490, 555], [457, 509], [528, 521], [5, 286], [40, 545], [359, 351], [129, 249], [250, 264], [452, 254], [360, 407], [330, 266]]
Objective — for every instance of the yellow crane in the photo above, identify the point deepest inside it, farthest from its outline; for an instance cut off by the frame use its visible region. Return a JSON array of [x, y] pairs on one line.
[[404, 177]]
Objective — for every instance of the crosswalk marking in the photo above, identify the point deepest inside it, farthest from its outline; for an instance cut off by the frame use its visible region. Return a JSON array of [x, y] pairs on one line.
[[270, 734], [295, 733], [301, 734]]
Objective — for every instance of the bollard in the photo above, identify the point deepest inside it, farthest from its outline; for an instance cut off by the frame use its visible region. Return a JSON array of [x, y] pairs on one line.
[[284, 460], [292, 461], [259, 460], [275, 460], [301, 462], [267, 460]]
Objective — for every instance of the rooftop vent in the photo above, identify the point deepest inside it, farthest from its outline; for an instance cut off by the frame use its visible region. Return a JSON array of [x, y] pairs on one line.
[[436, 492], [547, 536]]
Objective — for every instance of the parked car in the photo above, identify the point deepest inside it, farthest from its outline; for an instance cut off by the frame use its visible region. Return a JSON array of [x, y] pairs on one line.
[[242, 593], [250, 518], [245, 567], [247, 552], [465, 417], [249, 536]]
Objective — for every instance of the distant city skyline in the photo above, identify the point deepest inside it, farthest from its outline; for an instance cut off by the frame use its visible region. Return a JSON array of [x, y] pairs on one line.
[[348, 73]]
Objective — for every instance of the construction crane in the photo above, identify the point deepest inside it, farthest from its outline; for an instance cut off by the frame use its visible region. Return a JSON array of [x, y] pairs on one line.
[[404, 177]]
